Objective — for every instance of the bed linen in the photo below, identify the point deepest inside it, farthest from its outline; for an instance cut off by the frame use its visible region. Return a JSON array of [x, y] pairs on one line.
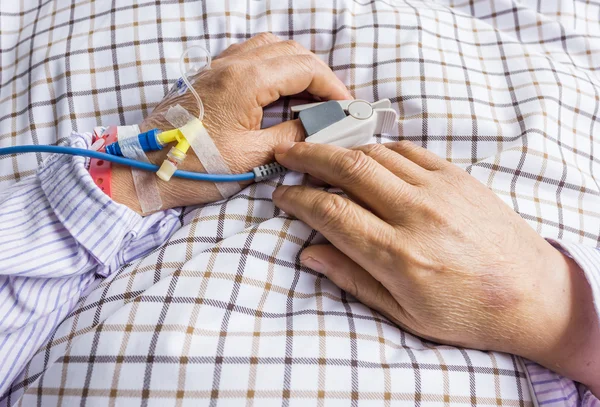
[[224, 313]]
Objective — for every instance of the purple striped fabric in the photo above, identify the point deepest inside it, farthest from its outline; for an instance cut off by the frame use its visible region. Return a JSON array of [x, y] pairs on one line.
[[58, 231]]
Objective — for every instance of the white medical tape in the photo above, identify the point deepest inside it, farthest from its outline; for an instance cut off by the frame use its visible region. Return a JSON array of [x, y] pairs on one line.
[[203, 146], [144, 182], [178, 116]]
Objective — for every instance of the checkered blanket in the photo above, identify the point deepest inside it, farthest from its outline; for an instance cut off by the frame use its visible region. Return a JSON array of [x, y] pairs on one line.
[[224, 313]]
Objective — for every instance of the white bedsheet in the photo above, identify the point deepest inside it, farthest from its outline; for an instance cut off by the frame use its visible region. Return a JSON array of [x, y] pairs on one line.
[[223, 313]]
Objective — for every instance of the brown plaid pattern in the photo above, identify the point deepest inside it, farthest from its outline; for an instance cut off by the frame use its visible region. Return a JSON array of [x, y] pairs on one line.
[[224, 313]]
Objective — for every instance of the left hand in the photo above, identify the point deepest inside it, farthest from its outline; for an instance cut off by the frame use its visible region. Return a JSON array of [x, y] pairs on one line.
[[438, 253], [241, 81]]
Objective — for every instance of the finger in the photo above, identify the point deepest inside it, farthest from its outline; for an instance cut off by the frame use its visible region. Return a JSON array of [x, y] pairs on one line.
[[257, 41], [399, 165], [290, 75], [274, 50], [289, 130], [353, 171], [260, 143], [417, 154], [352, 278], [351, 228]]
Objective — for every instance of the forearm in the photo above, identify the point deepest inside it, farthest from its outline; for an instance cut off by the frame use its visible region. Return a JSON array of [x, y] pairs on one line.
[[176, 192], [57, 232], [172, 194]]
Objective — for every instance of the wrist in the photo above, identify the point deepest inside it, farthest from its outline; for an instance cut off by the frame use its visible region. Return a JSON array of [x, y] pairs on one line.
[[173, 194], [568, 328], [123, 189]]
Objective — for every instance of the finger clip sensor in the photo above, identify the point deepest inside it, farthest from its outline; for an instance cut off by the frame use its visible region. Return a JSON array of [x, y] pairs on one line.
[[345, 123]]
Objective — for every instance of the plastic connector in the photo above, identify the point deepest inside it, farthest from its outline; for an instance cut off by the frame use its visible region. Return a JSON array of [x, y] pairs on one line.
[[268, 171], [174, 158], [114, 149], [149, 141]]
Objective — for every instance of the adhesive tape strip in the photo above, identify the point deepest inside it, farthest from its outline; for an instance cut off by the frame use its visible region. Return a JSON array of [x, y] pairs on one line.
[[204, 147], [178, 116], [144, 182]]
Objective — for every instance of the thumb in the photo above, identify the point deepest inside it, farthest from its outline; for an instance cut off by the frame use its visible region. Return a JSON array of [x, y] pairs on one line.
[[290, 130], [352, 278]]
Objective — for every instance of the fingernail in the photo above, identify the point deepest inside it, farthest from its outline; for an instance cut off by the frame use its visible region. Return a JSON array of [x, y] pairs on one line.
[[312, 263], [284, 147]]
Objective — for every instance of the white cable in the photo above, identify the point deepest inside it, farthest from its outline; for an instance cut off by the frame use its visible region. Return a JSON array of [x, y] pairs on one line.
[[186, 80]]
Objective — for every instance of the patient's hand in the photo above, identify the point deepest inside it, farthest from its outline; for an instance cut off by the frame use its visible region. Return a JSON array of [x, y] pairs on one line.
[[438, 253], [242, 80]]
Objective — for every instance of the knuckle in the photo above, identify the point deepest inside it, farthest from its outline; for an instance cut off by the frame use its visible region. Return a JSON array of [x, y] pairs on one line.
[[294, 47], [351, 164], [410, 196], [431, 161], [455, 176], [330, 209], [373, 149], [302, 150], [265, 38], [406, 143], [420, 155], [306, 62], [406, 146]]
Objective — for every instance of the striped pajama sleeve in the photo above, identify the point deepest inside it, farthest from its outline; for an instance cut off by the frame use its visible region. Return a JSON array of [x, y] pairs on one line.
[[58, 231]]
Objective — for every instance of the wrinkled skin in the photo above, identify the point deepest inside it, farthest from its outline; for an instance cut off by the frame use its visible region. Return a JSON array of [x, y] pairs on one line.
[[421, 241], [242, 80], [441, 255]]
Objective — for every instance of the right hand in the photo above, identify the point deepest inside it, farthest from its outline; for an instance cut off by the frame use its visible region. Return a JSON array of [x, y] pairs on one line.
[[245, 78], [436, 251]]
